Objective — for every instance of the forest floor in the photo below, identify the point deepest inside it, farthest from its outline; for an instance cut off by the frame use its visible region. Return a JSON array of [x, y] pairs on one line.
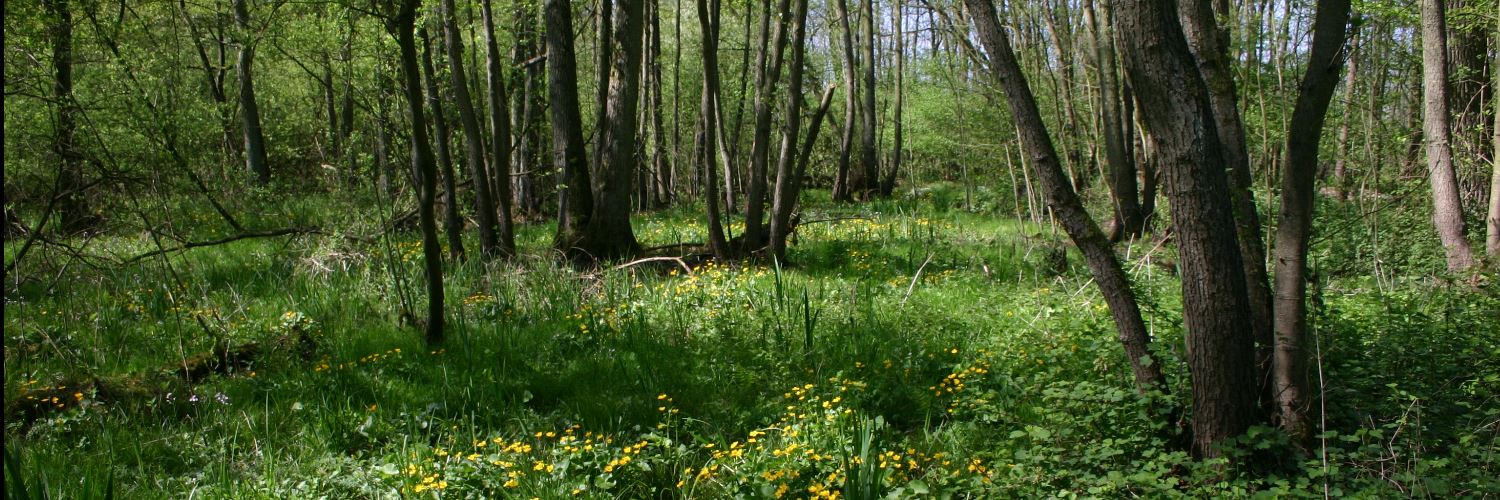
[[906, 351]]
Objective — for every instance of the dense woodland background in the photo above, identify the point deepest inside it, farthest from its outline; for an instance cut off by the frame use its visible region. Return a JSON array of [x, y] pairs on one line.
[[374, 248]]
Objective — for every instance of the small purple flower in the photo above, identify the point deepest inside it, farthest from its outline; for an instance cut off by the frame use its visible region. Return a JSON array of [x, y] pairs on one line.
[[222, 398], [193, 399]]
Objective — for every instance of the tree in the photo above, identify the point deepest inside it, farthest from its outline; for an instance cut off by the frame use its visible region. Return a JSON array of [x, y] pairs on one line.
[[1129, 222], [609, 235], [255, 140], [1289, 375], [424, 169], [1447, 209], [708, 20], [72, 204], [574, 198], [767, 72], [888, 184], [1216, 308], [452, 222], [791, 130], [484, 200], [1104, 266], [843, 180], [869, 158], [501, 144]]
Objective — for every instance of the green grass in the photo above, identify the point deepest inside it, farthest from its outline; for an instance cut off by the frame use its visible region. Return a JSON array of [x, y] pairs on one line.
[[988, 375]]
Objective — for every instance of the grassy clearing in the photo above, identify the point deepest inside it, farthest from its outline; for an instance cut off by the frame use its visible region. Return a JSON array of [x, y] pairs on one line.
[[909, 352]]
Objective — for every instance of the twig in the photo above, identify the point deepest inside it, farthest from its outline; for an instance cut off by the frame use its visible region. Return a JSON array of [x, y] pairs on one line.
[[229, 239], [914, 278], [632, 263]]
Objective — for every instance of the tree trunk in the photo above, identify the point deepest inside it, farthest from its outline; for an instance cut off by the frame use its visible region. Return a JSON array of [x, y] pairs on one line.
[[844, 179], [1114, 284], [72, 205], [768, 72], [424, 169], [1341, 161], [255, 140], [1129, 222], [1492, 241], [1289, 375], [1216, 308], [1209, 43], [484, 201], [452, 222], [574, 196], [869, 154], [609, 235], [791, 131], [789, 187], [1447, 214], [708, 22], [500, 145], [888, 184]]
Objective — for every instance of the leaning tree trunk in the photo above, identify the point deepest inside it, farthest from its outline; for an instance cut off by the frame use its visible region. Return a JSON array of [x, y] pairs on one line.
[[1289, 372], [608, 235], [452, 222], [500, 145], [1216, 308], [792, 116], [489, 238], [575, 199], [1447, 214], [255, 140], [1114, 284], [424, 169]]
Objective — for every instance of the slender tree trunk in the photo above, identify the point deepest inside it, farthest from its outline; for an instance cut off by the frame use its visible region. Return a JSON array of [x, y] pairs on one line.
[[869, 153], [661, 164], [1129, 222], [255, 140], [424, 169], [791, 131], [760, 146], [707, 22], [489, 240], [1113, 283], [1209, 43], [452, 222], [1492, 241], [500, 145], [1216, 308], [1341, 163], [1289, 375], [1447, 214], [73, 206], [601, 77], [888, 184], [844, 178]]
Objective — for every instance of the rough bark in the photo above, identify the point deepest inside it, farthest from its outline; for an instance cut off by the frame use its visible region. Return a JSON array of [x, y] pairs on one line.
[[574, 197], [424, 169], [72, 205], [869, 154], [1209, 44], [1216, 309], [1289, 372], [1103, 265], [609, 235], [888, 183], [255, 140], [1492, 241], [1447, 213], [452, 223]]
